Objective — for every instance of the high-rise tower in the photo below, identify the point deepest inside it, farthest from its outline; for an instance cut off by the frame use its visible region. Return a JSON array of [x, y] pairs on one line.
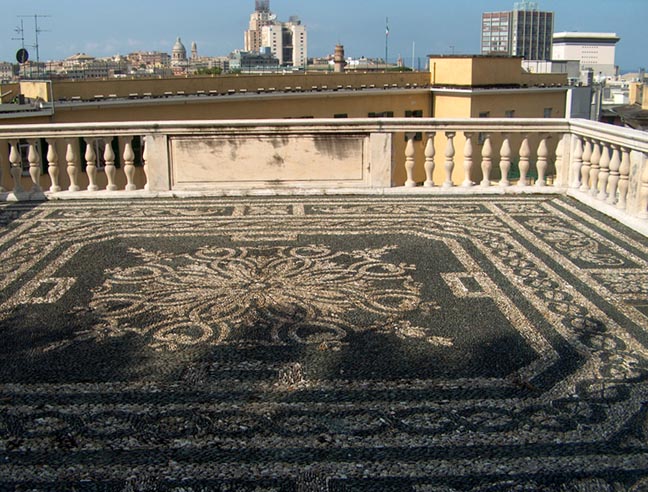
[[287, 41], [525, 31], [260, 17]]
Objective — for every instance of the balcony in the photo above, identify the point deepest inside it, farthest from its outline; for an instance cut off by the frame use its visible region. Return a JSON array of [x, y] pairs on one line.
[[375, 305]]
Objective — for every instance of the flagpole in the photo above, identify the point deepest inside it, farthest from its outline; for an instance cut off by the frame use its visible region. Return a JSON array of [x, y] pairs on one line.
[[386, 42]]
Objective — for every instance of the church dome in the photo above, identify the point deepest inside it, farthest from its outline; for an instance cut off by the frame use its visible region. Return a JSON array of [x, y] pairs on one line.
[[179, 49]]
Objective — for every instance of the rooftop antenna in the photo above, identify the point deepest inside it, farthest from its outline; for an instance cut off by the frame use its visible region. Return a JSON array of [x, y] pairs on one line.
[[20, 31], [37, 31]]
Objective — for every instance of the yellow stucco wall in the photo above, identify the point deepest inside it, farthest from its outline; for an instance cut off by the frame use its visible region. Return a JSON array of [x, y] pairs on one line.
[[525, 104], [222, 83], [484, 71], [496, 71], [324, 105], [36, 90]]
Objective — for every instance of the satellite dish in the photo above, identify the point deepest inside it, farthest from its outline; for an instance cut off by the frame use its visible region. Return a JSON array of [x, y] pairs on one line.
[[22, 55]]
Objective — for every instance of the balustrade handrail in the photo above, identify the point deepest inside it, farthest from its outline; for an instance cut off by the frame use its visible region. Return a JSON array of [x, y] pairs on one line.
[[617, 135], [626, 137], [334, 125]]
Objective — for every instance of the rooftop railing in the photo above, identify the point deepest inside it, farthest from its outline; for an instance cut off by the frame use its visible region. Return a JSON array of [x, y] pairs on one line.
[[603, 165]]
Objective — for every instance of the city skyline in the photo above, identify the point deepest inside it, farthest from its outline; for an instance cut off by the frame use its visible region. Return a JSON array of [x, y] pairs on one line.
[[218, 26]]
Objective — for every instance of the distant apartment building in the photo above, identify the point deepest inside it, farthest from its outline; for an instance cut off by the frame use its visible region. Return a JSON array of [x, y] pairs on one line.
[[7, 71], [83, 66], [525, 31], [155, 59], [287, 41], [596, 51]]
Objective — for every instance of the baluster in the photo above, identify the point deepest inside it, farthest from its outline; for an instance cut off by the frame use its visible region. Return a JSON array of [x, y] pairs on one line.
[[111, 170], [525, 154], [560, 153], [2, 163], [624, 172], [577, 163], [604, 171], [410, 152], [594, 169], [91, 165], [430, 152], [52, 165], [613, 183], [505, 161], [643, 193], [543, 153], [487, 162], [145, 157], [34, 166], [16, 167], [585, 168], [468, 161], [449, 161], [129, 165], [72, 170]]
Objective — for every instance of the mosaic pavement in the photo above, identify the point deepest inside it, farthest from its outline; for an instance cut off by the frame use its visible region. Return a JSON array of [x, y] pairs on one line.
[[322, 344]]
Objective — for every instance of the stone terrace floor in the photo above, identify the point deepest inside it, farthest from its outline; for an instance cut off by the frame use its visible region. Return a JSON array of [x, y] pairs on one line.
[[322, 344]]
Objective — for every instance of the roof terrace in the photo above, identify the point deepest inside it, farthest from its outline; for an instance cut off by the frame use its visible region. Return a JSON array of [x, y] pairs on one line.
[[453, 320]]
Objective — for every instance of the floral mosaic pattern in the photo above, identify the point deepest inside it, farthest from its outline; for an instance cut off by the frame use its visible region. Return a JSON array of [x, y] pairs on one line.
[[299, 294]]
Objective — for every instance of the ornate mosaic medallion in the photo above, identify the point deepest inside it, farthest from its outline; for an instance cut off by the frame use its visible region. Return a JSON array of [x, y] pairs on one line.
[[305, 294]]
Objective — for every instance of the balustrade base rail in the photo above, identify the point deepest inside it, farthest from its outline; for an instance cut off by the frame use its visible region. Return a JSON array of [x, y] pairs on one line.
[[603, 165]]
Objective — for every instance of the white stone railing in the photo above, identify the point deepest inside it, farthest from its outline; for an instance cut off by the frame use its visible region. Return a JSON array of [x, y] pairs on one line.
[[602, 164]]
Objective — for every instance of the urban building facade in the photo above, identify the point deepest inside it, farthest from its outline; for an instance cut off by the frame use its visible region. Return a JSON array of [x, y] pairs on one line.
[[525, 31], [260, 18], [253, 61], [596, 51], [7, 71], [287, 41]]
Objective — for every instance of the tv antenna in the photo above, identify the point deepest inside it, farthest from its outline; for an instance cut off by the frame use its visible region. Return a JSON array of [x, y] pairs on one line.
[[37, 31], [20, 31]]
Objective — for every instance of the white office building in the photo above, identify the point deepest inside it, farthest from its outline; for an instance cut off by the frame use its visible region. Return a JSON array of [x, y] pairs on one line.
[[596, 51], [288, 42]]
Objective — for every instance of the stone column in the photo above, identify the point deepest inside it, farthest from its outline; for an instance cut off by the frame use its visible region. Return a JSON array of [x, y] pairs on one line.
[[449, 160], [53, 165], [430, 152]]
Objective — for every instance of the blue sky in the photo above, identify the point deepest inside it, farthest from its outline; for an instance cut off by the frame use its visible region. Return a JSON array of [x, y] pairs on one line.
[[102, 28]]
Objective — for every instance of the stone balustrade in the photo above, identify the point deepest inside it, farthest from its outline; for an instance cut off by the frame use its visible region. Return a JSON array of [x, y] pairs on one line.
[[598, 163]]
